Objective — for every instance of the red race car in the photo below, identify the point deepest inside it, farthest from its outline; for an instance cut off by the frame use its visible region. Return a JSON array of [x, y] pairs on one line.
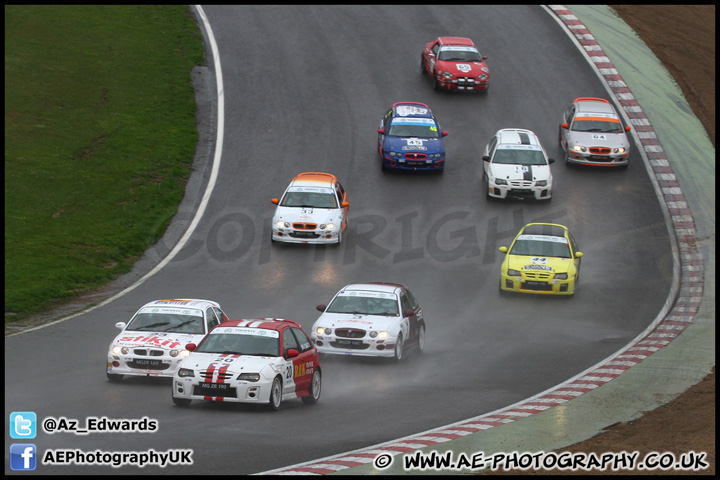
[[455, 64]]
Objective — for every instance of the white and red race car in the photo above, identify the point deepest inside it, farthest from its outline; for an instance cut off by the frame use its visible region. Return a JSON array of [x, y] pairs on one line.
[[262, 361], [153, 342], [455, 64]]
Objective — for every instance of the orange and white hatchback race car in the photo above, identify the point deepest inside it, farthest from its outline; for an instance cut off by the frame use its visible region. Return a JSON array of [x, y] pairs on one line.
[[313, 209], [591, 133]]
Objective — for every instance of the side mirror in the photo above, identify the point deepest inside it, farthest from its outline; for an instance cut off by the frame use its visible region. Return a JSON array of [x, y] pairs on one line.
[[321, 308], [445, 133], [381, 130], [275, 201], [291, 353], [345, 204], [503, 249], [484, 57], [486, 158], [190, 347], [578, 254], [565, 125], [431, 55], [627, 128], [120, 325], [551, 160], [409, 312]]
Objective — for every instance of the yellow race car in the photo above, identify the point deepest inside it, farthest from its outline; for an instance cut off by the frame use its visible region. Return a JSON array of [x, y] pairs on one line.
[[542, 259]]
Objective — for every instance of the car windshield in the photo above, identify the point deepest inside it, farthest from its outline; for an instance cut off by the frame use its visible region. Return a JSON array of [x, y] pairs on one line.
[[513, 156], [166, 322], [448, 55], [541, 246], [309, 200], [376, 305], [240, 344], [590, 125], [421, 128]]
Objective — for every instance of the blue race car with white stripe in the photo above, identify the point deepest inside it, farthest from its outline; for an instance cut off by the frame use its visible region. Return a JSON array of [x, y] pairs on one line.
[[410, 138], [515, 165]]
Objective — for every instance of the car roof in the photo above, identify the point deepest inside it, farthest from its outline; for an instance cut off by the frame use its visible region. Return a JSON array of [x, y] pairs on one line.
[[313, 179], [547, 229], [382, 287], [266, 323], [411, 109], [182, 302], [455, 41], [517, 136], [594, 105]]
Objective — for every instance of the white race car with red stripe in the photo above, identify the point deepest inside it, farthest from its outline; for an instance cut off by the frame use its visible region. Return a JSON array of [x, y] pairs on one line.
[[264, 361], [153, 342]]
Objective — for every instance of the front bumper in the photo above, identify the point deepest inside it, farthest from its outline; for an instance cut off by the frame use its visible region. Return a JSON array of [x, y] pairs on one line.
[[367, 347], [291, 235], [579, 158], [141, 365], [463, 84], [237, 391], [522, 284], [413, 165], [520, 192]]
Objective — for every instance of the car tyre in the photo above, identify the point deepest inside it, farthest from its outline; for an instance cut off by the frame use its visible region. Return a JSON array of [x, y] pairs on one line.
[[421, 338], [435, 84], [398, 355], [181, 402], [275, 394], [114, 377], [422, 65], [315, 388]]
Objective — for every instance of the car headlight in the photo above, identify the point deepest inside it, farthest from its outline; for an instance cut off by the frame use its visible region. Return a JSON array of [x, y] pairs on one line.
[[186, 372], [483, 76], [394, 154], [118, 349], [323, 331], [184, 353], [250, 377], [174, 353], [619, 150], [513, 273], [327, 226], [561, 276], [282, 224], [541, 183], [383, 335], [447, 74], [500, 181], [580, 148], [373, 334]]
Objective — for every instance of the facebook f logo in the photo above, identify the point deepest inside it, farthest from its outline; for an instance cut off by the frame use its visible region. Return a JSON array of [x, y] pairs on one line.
[[23, 456]]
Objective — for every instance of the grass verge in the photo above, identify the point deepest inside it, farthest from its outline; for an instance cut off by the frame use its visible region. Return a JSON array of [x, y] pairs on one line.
[[99, 140]]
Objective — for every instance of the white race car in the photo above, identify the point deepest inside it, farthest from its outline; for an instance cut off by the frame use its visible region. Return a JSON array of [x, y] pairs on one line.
[[263, 360], [313, 209], [153, 342], [515, 165], [370, 319]]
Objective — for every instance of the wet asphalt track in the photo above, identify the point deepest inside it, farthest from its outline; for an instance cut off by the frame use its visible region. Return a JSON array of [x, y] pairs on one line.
[[304, 90]]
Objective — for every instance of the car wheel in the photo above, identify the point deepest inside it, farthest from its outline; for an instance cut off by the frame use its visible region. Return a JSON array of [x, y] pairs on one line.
[[114, 377], [421, 339], [339, 241], [435, 84], [275, 394], [315, 388], [398, 348], [181, 402], [422, 65]]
